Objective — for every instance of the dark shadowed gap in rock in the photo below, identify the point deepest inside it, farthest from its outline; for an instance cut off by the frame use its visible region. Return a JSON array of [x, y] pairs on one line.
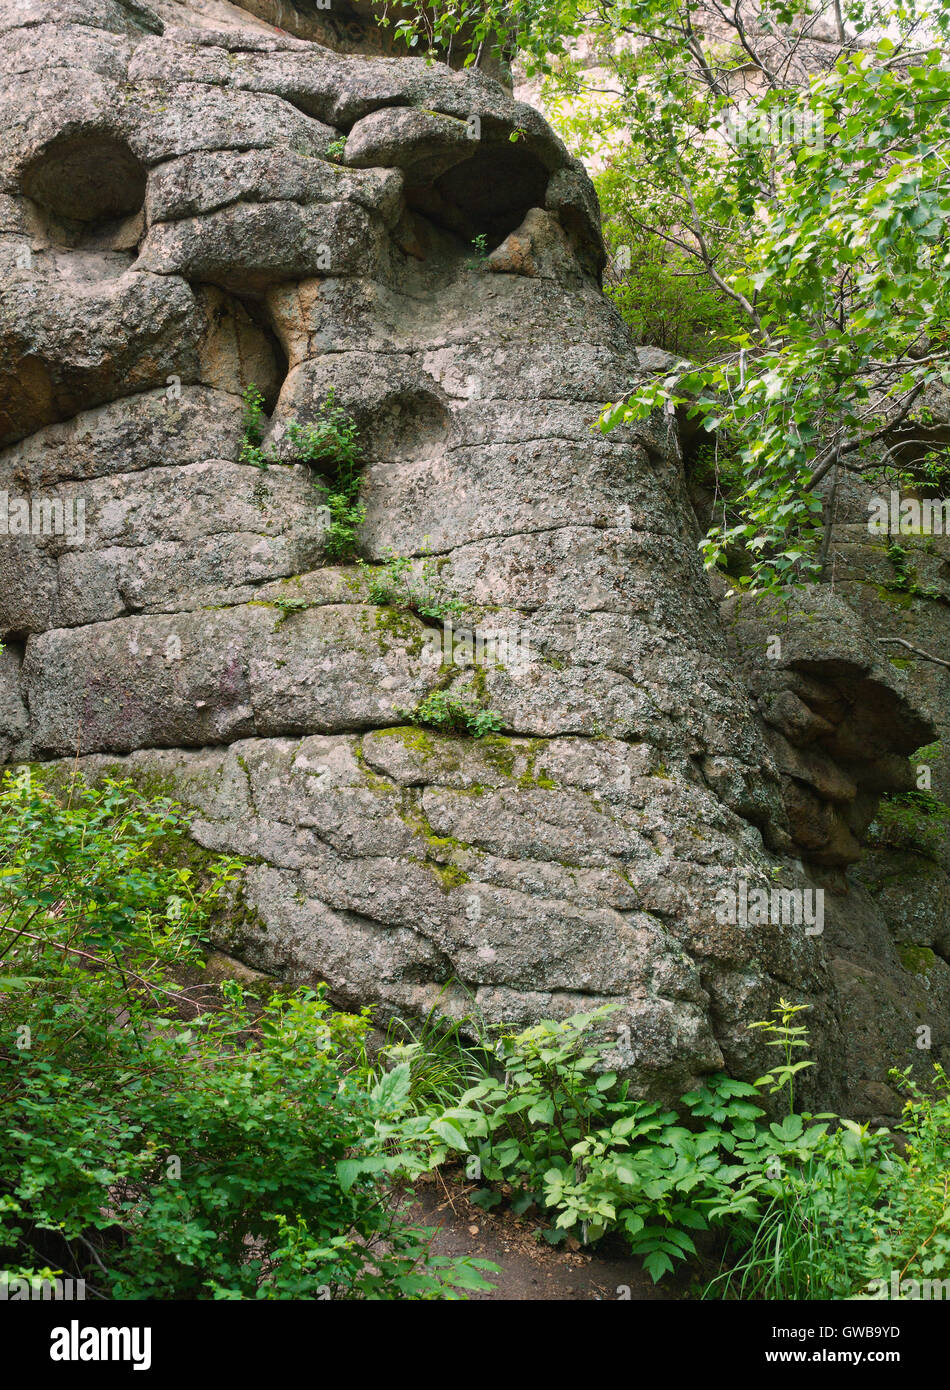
[[699, 452], [14, 642], [487, 195], [259, 316], [86, 185], [909, 445], [342, 25]]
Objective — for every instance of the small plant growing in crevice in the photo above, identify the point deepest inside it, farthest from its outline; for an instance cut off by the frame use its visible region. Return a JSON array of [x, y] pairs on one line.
[[289, 606], [330, 446], [335, 149], [454, 715], [252, 422], [396, 585], [905, 579], [480, 259]]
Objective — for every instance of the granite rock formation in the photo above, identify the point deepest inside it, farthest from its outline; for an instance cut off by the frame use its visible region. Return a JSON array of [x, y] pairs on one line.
[[191, 202]]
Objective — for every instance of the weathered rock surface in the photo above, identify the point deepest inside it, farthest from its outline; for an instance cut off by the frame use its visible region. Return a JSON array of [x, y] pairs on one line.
[[191, 202]]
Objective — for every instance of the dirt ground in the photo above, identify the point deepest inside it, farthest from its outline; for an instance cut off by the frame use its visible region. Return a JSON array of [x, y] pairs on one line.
[[530, 1267]]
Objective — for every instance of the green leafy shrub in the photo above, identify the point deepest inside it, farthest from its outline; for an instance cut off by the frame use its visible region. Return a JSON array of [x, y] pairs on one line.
[[565, 1136], [454, 715], [329, 442], [855, 1218], [910, 1223], [811, 1206], [236, 1154], [802, 1229]]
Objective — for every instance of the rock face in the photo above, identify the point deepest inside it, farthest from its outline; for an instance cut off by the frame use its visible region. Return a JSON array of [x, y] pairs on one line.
[[191, 202], [898, 922]]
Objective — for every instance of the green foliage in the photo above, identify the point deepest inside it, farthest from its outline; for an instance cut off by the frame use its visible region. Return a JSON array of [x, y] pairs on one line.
[[253, 425], [816, 204], [480, 260], [335, 149], [399, 583], [910, 1223], [917, 820], [329, 445], [914, 820], [787, 1035], [812, 1206], [664, 298], [454, 715], [442, 1064], [289, 606], [931, 471], [237, 1154], [800, 1230], [905, 577], [564, 1135], [162, 1148], [663, 301], [852, 1215]]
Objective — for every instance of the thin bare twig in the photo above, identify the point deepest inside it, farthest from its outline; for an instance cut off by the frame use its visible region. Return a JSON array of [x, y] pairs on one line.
[[918, 651]]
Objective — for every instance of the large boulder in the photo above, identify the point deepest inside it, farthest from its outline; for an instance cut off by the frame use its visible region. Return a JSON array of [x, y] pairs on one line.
[[192, 202]]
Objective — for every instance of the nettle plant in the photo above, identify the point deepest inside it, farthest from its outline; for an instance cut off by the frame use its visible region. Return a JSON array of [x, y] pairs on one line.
[[329, 446]]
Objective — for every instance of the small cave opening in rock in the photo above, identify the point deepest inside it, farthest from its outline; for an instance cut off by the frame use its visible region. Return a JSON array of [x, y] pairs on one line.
[[266, 347], [239, 345], [13, 642], [90, 190], [487, 195]]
